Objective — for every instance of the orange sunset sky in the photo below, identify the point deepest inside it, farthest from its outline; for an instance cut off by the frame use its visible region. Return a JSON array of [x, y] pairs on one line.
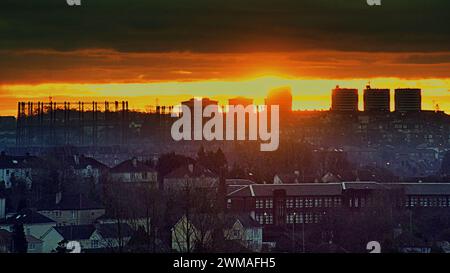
[[154, 52]]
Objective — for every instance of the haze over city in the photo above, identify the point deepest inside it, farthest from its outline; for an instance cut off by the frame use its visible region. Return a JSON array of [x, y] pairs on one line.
[[168, 52]]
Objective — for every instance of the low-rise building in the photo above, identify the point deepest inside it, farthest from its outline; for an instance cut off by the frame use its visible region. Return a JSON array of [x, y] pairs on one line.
[[74, 209], [134, 171], [245, 230]]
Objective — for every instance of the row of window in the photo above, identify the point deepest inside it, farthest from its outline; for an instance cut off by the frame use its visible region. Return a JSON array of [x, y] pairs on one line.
[[300, 202], [317, 202], [414, 201], [306, 218], [355, 202], [264, 218], [264, 203]]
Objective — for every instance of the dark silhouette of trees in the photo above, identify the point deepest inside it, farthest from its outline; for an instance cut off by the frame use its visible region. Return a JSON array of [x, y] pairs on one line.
[[20, 244]]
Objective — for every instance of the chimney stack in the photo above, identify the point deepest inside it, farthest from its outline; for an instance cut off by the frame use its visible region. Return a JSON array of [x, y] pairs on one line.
[[58, 197]]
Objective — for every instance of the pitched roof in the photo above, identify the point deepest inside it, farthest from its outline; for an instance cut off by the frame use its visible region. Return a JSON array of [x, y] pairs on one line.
[[111, 230], [368, 185], [132, 165], [81, 162], [325, 189], [289, 178], [28, 217], [191, 170], [79, 232], [15, 162], [246, 220], [238, 182], [68, 202]]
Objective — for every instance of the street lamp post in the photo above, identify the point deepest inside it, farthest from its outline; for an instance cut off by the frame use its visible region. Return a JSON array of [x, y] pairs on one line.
[[303, 235], [293, 232]]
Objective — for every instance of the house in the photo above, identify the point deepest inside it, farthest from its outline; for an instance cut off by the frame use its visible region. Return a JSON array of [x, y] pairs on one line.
[[192, 233], [294, 177], [92, 238], [79, 233], [6, 242], [75, 209], [87, 167], [111, 236], [34, 224], [35, 245], [15, 168], [191, 176], [287, 178], [134, 171], [245, 230]]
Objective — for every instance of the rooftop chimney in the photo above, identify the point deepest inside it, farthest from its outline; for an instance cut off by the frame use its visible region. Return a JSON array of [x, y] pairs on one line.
[[58, 197], [76, 159]]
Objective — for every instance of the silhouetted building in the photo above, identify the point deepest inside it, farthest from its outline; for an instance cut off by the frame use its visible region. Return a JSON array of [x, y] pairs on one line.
[[376, 99], [282, 97], [344, 99], [240, 101], [205, 102], [408, 99]]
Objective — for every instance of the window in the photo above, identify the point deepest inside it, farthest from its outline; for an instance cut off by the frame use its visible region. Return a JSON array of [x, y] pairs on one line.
[[317, 218], [144, 175], [299, 202], [318, 202], [328, 202], [31, 246], [74, 213], [289, 218], [434, 202], [308, 218], [259, 203], [289, 203], [413, 201], [269, 203], [236, 233], [337, 201], [299, 218], [422, 202], [268, 218], [309, 202], [259, 218], [94, 244]]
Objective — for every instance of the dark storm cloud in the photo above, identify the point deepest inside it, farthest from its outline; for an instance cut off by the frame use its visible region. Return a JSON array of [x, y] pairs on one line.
[[225, 25]]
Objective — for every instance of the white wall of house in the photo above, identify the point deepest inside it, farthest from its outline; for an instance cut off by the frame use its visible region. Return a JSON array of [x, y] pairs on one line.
[[141, 177], [2, 208], [51, 240], [250, 237], [36, 230], [89, 172], [253, 238], [20, 173]]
